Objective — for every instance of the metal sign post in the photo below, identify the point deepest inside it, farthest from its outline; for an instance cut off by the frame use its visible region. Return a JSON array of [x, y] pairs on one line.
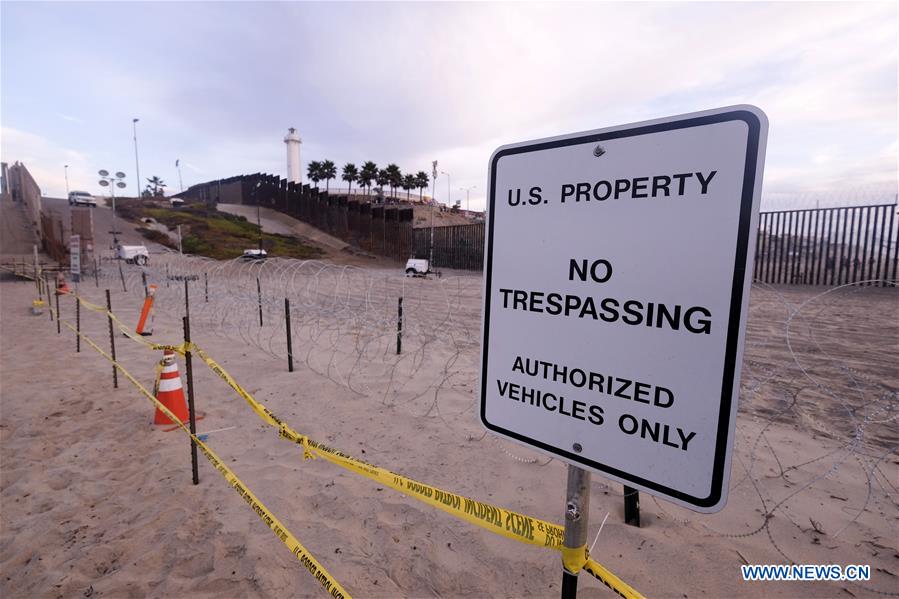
[[75, 257], [577, 510]]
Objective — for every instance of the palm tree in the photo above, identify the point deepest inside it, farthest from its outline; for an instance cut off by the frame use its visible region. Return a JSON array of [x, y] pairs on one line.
[[156, 186], [421, 182], [394, 176], [350, 174], [409, 184], [314, 171], [328, 171], [383, 179], [368, 174]]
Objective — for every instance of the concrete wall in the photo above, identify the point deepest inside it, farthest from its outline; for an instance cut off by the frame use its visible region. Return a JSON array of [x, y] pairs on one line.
[[23, 188]]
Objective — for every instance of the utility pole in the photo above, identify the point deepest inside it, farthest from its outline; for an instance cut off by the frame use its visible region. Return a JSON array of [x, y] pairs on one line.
[[67, 180], [136, 161]]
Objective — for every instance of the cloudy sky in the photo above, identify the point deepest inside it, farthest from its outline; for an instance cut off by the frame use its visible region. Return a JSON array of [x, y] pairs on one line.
[[217, 84]]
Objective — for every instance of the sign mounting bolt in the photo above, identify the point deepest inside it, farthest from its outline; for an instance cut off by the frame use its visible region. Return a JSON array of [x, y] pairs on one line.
[[599, 151]]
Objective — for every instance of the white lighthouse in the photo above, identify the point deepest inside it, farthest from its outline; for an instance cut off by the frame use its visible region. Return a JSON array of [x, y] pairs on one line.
[[293, 141]]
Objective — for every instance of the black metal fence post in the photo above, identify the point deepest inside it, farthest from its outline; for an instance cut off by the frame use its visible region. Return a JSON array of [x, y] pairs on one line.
[[58, 315], [77, 324], [115, 370], [289, 338], [631, 506], [879, 271], [259, 295], [49, 297], [190, 400], [122, 276], [399, 326], [206, 285], [186, 298]]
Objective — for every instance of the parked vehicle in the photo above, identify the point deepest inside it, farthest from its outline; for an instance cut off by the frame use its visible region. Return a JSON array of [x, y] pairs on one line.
[[82, 198], [133, 254], [419, 268], [251, 255]]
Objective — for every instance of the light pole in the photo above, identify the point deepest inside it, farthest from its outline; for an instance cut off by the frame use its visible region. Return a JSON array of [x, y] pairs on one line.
[[449, 195], [110, 181], [136, 161], [433, 201], [258, 216], [180, 181], [66, 170], [466, 190]]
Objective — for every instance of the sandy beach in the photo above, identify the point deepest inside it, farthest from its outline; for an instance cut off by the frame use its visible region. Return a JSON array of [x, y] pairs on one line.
[[98, 501]]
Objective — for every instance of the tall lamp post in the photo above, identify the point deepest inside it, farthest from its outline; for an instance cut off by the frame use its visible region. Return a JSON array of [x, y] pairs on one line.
[[449, 195], [112, 181], [433, 201], [180, 180], [136, 161], [467, 202], [258, 215], [66, 170]]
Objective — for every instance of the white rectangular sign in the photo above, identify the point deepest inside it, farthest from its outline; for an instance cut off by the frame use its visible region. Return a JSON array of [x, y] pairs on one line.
[[75, 255], [617, 278]]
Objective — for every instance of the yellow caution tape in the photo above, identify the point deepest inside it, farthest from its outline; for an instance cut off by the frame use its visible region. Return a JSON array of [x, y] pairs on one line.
[[327, 582], [618, 586], [262, 411], [131, 334], [573, 559], [495, 519], [499, 520]]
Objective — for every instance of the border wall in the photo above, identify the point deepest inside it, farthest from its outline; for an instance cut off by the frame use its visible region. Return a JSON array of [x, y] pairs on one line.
[[23, 189], [819, 246], [828, 246]]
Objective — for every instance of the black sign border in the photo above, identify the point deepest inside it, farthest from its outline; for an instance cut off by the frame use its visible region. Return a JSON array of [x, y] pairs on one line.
[[736, 303]]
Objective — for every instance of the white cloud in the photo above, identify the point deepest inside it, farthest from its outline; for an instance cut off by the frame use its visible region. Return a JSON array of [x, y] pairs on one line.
[[413, 82], [46, 162], [70, 118]]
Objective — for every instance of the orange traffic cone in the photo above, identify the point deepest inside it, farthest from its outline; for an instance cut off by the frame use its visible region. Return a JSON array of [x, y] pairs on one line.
[[62, 287], [145, 311], [170, 393]]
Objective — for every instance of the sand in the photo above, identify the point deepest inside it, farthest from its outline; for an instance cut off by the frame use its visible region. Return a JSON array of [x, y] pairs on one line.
[[96, 501]]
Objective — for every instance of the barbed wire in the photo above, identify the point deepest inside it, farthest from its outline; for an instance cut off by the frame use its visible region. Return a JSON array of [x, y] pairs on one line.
[[805, 364]]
